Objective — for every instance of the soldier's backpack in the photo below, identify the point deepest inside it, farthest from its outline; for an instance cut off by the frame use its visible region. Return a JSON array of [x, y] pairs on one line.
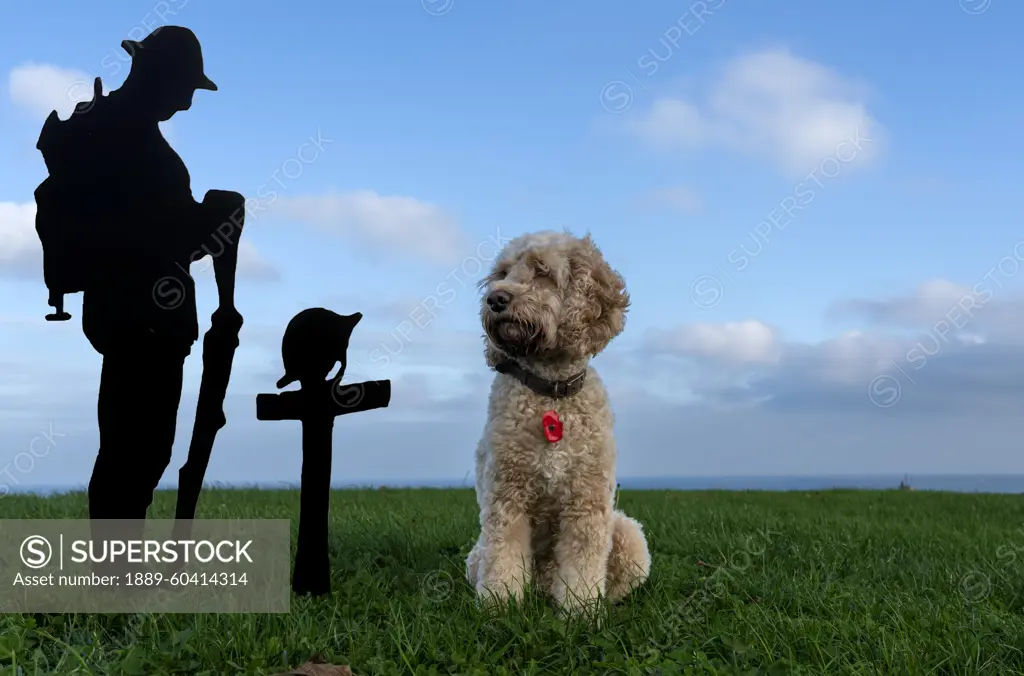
[[69, 215]]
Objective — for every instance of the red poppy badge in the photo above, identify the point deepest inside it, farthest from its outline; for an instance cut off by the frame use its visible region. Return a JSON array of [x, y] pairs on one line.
[[552, 426]]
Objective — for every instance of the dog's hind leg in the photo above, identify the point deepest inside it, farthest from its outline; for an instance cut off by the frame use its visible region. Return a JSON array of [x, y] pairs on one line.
[[629, 564]]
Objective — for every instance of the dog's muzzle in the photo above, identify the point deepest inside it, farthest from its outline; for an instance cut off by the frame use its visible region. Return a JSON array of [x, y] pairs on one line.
[[512, 336]]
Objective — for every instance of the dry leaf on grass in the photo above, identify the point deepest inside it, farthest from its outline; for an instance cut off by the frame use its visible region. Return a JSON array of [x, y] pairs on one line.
[[317, 667]]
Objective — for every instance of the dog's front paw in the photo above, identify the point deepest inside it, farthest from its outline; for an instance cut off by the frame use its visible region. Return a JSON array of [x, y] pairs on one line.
[[496, 593], [572, 607], [580, 602], [487, 597]]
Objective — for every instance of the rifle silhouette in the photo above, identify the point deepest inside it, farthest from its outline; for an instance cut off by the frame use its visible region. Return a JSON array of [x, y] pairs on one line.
[[219, 345]]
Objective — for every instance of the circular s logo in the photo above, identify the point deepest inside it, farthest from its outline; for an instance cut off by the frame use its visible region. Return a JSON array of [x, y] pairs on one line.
[[706, 292], [975, 6], [616, 97], [438, 586], [884, 391], [79, 95], [36, 551], [348, 396], [437, 7], [169, 293], [976, 586]]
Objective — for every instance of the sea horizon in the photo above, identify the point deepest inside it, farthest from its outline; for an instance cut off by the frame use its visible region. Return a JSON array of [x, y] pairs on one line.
[[956, 483]]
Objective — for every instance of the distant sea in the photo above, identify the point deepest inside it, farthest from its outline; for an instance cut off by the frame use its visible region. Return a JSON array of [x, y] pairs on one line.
[[957, 483]]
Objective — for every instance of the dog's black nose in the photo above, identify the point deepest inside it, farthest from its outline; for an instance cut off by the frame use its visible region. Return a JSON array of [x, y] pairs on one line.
[[498, 300]]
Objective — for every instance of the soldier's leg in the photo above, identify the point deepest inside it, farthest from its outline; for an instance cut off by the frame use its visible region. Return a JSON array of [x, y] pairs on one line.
[[163, 371], [138, 406], [117, 416], [111, 475]]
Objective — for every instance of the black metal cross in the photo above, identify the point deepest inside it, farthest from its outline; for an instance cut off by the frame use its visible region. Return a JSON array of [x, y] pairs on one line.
[[316, 405]]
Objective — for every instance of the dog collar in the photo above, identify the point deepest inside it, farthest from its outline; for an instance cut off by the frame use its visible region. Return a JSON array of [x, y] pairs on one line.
[[556, 389]]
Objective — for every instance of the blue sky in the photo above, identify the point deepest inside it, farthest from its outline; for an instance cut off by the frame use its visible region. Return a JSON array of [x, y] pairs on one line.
[[398, 141]]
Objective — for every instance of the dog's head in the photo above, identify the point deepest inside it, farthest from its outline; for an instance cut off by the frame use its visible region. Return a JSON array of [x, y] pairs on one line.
[[552, 296]]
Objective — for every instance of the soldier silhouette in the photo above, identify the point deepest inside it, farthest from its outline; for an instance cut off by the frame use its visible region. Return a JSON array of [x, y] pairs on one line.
[[118, 222]]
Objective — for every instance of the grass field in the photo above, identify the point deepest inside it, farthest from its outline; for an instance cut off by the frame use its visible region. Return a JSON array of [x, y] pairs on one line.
[[835, 582]]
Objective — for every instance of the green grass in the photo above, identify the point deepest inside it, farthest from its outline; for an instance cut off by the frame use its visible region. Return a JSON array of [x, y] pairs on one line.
[[835, 582]]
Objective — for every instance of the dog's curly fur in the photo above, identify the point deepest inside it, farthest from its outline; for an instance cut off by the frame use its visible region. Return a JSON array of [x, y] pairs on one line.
[[547, 510]]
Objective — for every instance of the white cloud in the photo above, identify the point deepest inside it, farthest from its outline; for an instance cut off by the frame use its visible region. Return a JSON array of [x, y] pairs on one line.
[[382, 223], [945, 348], [21, 254], [40, 88], [748, 341], [252, 265], [852, 358], [929, 303], [679, 198], [795, 112], [384, 309], [673, 124]]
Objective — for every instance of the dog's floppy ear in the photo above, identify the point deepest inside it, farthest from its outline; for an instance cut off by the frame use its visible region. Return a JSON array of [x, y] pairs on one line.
[[607, 294]]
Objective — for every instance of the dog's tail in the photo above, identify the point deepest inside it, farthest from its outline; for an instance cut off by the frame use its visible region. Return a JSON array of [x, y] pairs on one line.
[[629, 564]]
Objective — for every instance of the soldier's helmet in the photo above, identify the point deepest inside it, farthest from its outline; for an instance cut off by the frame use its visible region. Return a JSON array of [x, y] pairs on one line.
[[173, 54], [315, 340]]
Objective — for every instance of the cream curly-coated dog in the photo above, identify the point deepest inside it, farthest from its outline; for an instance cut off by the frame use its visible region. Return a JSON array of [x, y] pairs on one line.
[[547, 497]]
